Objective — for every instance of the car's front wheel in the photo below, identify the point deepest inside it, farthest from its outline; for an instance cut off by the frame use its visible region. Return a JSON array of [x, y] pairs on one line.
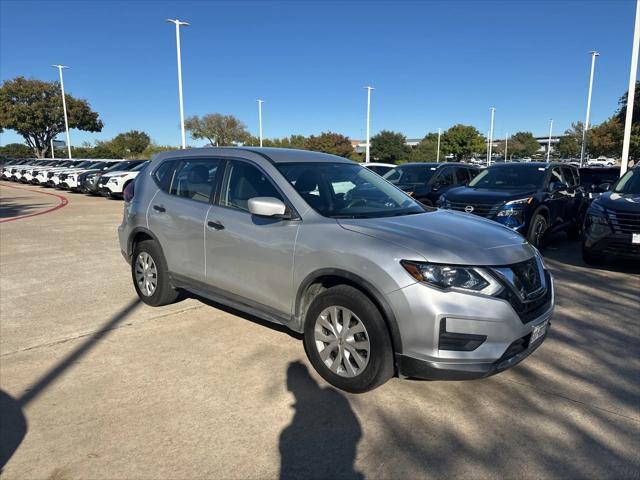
[[347, 341], [537, 230], [150, 276]]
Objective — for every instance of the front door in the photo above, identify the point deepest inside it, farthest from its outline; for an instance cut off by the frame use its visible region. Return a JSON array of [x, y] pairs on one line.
[[247, 255]]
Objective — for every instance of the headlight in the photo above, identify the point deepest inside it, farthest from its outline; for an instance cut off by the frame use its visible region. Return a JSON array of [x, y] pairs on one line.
[[452, 277]]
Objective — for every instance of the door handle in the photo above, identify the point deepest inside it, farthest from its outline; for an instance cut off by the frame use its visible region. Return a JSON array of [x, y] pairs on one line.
[[215, 225], [158, 208]]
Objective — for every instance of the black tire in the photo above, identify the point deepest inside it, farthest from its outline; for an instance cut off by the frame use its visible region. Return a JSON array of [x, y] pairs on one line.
[[164, 292], [380, 365], [537, 230]]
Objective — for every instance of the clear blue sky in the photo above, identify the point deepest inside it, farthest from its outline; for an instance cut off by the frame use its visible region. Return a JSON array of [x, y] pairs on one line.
[[433, 64]]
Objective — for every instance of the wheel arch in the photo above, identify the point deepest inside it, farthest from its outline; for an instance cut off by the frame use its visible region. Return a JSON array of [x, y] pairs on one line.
[[139, 234], [320, 280]]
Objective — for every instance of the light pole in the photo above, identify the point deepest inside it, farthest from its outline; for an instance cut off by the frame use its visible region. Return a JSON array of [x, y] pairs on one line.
[[594, 54], [631, 93], [178, 24], [438, 154], [493, 111], [549, 142], [506, 144], [64, 106], [53, 153], [260, 102], [367, 157]]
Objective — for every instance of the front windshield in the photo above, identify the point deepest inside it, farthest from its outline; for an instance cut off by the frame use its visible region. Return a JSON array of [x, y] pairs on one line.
[[505, 177], [116, 167], [347, 190], [410, 174], [86, 163], [629, 183], [139, 167]]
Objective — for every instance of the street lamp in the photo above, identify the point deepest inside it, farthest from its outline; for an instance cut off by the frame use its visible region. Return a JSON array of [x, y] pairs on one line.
[[594, 54], [367, 158], [549, 143], [64, 106], [506, 144], [53, 153], [493, 111], [438, 154], [178, 24], [260, 102], [631, 93]]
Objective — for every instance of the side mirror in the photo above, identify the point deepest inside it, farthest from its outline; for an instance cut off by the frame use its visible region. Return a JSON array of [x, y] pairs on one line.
[[267, 207]]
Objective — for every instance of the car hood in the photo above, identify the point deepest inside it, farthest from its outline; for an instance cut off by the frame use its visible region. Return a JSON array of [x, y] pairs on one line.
[[446, 236], [486, 196], [620, 202]]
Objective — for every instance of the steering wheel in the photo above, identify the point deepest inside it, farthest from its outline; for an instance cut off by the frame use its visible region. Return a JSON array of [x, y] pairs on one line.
[[357, 201]]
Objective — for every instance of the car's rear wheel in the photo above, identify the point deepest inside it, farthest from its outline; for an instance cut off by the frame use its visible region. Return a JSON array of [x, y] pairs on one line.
[[537, 230], [150, 276], [347, 341]]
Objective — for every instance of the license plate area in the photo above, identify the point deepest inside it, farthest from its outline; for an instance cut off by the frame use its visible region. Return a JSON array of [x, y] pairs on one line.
[[635, 238]]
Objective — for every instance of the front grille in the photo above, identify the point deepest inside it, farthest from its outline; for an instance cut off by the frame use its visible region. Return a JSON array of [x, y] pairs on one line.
[[525, 290], [481, 209], [50, 174], [103, 181], [621, 248], [63, 176], [625, 222]]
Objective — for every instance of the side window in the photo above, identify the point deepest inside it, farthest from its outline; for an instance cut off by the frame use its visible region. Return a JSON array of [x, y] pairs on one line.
[[164, 174], [556, 175], [473, 172], [445, 177], [462, 175], [243, 181], [194, 179]]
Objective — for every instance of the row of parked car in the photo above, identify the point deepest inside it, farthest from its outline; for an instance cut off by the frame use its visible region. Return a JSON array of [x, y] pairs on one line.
[[536, 199], [97, 177]]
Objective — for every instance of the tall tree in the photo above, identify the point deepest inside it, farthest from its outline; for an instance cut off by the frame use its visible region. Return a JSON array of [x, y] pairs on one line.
[[427, 150], [568, 146], [218, 129], [389, 147], [462, 141], [16, 150], [523, 144], [606, 139], [33, 109], [622, 106], [130, 144], [330, 142]]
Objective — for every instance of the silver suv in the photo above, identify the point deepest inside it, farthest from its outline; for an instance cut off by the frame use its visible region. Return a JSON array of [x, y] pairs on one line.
[[376, 282]]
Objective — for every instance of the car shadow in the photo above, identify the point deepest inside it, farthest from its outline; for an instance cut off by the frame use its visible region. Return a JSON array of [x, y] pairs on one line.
[[13, 207], [321, 441]]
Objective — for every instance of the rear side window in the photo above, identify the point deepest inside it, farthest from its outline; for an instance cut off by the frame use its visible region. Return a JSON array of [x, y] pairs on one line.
[[243, 181], [571, 176], [462, 175], [473, 172], [445, 177], [556, 176], [194, 179], [164, 174]]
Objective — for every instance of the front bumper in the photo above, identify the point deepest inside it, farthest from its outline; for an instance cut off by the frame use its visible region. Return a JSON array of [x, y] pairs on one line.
[[506, 337], [616, 245]]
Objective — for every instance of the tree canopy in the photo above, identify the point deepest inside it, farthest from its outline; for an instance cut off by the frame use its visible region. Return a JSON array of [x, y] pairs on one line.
[[330, 142], [568, 147], [33, 109], [16, 150], [462, 141], [523, 144], [129, 144], [389, 147], [219, 129], [426, 150]]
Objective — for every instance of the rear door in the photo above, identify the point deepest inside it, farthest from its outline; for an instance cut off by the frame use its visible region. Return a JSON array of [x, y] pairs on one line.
[[177, 212], [558, 199]]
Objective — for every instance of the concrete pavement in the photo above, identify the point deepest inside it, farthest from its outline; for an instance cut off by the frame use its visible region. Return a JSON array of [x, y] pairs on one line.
[[96, 385]]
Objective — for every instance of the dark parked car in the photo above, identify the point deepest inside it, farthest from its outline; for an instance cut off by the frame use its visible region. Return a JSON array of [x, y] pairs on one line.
[[533, 198], [612, 223], [597, 180], [427, 181]]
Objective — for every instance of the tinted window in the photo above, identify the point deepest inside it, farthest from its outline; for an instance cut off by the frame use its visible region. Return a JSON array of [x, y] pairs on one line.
[[242, 181], [193, 179], [445, 177], [505, 177], [556, 176], [570, 178], [629, 182], [379, 169], [462, 175], [410, 174], [164, 174], [347, 190]]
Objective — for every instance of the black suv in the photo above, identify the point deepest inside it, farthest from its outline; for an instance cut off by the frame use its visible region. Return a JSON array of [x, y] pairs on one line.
[[427, 181], [612, 223], [533, 198]]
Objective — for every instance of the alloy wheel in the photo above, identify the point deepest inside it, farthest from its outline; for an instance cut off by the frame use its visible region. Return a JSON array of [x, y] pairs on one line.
[[146, 274]]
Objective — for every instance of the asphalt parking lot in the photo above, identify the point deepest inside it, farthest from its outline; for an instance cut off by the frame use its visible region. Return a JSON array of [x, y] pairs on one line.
[[93, 384]]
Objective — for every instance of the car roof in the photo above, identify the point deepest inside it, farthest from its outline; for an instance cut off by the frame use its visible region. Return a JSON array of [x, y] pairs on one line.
[[273, 155], [532, 164], [434, 164]]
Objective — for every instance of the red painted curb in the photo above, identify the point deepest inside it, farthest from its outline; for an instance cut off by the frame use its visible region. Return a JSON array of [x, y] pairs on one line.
[[63, 203]]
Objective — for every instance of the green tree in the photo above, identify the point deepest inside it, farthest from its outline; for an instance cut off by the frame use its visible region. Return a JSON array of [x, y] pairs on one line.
[[129, 144], [426, 150], [153, 149], [218, 129], [389, 147], [568, 147], [523, 144], [330, 142], [33, 109], [462, 141], [606, 138], [16, 150], [622, 106]]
